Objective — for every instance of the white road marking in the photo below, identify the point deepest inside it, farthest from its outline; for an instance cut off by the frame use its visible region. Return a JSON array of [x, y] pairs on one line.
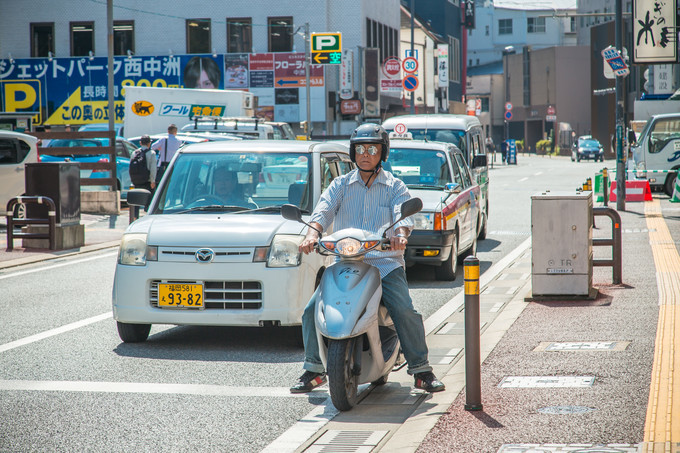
[[538, 174], [159, 388], [54, 266], [53, 332], [523, 179]]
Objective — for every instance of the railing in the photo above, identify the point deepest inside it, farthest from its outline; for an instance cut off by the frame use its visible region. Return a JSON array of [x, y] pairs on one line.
[[614, 242], [15, 221]]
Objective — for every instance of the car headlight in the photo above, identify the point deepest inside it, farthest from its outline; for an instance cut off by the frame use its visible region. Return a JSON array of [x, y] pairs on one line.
[[423, 221], [134, 251], [285, 251]]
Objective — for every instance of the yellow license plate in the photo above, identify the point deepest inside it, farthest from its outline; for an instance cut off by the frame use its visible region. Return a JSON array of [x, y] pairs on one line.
[[180, 295]]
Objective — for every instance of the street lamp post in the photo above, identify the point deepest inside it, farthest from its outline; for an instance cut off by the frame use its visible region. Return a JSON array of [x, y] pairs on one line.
[[509, 50]]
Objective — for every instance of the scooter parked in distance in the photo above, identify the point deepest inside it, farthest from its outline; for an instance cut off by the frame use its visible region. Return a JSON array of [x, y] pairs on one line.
[[357, 339]]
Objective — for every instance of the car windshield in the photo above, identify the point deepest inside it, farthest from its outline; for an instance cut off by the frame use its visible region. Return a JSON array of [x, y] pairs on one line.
[[420, 168], [255, 182], [440, 135], [590, 144]]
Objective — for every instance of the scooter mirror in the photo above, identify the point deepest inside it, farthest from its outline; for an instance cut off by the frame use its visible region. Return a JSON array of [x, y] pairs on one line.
[[411, 206], [291, 212]]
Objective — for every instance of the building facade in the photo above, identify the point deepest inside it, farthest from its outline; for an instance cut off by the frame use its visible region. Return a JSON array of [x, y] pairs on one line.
[[51, 52]]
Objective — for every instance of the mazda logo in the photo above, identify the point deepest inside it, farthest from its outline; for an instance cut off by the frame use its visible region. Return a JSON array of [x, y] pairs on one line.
[[204, 255]]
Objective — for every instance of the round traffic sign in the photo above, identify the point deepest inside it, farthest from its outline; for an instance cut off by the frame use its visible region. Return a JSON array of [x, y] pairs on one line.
[[400, 128], [508, 106], [409, 65], [391, 67], [551, 110], [410, 83], [508, 115]]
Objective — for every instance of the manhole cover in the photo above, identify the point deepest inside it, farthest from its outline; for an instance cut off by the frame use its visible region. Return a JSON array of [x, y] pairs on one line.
[[565, 410]]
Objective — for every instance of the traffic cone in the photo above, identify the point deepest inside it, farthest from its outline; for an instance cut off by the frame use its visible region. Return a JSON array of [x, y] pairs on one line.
[[676, 191]]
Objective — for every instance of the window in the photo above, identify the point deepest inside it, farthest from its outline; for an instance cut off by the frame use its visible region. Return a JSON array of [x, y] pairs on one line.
[[198, 36], [280, 34], [42, 39], [504, 26], [239, 35], [534, 25], [82, 38], [454, 59], [13, 151], [382, 37], [486, 30], [572, 24], [123, 37]]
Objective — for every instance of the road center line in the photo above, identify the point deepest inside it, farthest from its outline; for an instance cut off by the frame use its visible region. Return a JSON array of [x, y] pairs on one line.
[[53, 332], [54, 266]]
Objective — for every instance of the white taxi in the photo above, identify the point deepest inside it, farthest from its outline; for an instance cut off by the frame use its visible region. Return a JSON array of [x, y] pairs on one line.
[[203, 257], [446, 229]]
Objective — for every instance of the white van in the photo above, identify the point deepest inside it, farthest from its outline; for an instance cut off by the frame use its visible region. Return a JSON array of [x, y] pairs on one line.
[[245, 127], [657, 152], [464, 131], [16, 150]]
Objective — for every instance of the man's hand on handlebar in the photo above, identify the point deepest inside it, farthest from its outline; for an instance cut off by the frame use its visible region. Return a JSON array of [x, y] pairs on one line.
[[310, 241], [399, 240]]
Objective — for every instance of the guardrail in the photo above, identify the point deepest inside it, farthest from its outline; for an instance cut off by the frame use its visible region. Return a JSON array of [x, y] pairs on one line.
[[614, 242], [15, 221]]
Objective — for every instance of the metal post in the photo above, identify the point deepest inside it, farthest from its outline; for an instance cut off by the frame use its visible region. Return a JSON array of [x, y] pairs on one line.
[[473, 380], [605, 186], [308, 61], [413, 13], [109, 35], [620, 158]]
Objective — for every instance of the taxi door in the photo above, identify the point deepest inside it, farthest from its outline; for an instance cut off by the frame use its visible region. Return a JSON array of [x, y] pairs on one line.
[[468, 203]]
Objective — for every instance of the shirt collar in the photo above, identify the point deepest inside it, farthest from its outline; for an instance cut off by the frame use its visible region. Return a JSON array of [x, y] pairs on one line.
[[380, 178]]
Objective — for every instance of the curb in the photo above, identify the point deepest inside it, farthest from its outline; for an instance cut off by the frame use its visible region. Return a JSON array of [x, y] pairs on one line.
[[34, 258]]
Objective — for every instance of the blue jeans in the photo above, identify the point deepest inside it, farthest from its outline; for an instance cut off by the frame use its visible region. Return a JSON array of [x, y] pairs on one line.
[[408, 322]]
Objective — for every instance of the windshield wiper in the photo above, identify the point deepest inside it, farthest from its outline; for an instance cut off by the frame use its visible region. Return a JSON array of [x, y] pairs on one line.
[[214, 207], [268, 209], [425, 186]]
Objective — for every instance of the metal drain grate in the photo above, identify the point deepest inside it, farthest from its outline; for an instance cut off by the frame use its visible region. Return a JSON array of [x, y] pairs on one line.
[[564, 410], [546, 381], [342, 441]]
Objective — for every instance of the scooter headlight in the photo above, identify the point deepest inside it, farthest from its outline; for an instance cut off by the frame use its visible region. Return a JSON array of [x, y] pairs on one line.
[[348, 246]]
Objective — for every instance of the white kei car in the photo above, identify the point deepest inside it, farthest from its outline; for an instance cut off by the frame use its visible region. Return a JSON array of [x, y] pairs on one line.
[[197, 258]]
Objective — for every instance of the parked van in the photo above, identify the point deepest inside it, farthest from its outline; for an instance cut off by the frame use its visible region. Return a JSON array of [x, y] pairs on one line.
[[657, 152], [464, 131], [246, 127]]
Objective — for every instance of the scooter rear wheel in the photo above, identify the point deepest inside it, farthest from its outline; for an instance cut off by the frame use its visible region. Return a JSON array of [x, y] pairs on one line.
[[342, 382]]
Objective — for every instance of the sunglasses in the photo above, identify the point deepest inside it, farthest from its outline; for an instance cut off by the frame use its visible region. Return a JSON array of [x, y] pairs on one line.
[[370, 149]]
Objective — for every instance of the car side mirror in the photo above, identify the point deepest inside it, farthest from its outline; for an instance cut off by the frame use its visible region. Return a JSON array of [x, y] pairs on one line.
[[452, 187], [479, 161], [291, 212], [138, 197]]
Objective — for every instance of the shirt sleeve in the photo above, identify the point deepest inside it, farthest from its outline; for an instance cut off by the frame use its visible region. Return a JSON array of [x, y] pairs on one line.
[[157, 144], [329, 203]]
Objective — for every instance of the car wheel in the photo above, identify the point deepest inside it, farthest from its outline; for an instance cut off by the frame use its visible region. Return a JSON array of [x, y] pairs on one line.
[[485, 226], [669, 185], [447, 270], [133, 333]]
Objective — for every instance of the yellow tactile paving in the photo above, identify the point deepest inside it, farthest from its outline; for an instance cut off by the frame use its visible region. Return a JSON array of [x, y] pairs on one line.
[[661, 427]]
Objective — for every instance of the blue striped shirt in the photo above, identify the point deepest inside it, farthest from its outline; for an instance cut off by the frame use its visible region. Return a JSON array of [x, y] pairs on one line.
[[348, 203]]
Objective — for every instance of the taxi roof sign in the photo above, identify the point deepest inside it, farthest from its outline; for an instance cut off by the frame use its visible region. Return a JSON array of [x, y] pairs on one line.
[[402, 136]]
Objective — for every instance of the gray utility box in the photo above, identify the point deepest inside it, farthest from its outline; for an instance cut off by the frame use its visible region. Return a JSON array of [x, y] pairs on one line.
[[562, 243], [61, 182]]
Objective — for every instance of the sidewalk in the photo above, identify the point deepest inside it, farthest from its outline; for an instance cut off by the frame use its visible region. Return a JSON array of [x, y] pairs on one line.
[[101, 231]]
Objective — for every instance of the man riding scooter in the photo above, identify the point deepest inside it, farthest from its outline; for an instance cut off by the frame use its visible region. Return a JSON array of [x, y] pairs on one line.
[[369, 198]]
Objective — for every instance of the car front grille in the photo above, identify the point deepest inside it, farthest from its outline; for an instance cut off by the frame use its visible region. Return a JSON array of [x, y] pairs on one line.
[[220, 295]]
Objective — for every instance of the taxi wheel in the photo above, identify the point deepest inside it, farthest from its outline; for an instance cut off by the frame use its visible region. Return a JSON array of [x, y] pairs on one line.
[[447, 270], [472, 251], [484, 218], [133, 333]]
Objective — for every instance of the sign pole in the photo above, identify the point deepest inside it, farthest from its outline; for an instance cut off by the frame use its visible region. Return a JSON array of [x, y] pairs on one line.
[[308, 61], [620, 158], [413, 13]]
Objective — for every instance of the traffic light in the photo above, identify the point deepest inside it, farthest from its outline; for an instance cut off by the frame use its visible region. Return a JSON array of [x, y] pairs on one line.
[[469, 21]]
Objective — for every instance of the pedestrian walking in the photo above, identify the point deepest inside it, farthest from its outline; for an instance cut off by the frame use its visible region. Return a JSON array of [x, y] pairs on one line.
[[143, 167]]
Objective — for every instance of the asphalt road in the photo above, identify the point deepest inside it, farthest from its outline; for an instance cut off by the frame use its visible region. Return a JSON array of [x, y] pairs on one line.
[[67, 382]]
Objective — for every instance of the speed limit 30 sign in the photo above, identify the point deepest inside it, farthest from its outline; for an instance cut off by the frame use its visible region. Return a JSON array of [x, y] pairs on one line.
[[409, 65]]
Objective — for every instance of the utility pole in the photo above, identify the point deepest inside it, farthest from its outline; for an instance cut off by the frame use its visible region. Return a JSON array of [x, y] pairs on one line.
[[620, 158], [109, 36], [413, 13]]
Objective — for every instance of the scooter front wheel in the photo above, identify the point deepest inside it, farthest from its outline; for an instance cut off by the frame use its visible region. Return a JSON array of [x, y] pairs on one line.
[[342, 382]]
